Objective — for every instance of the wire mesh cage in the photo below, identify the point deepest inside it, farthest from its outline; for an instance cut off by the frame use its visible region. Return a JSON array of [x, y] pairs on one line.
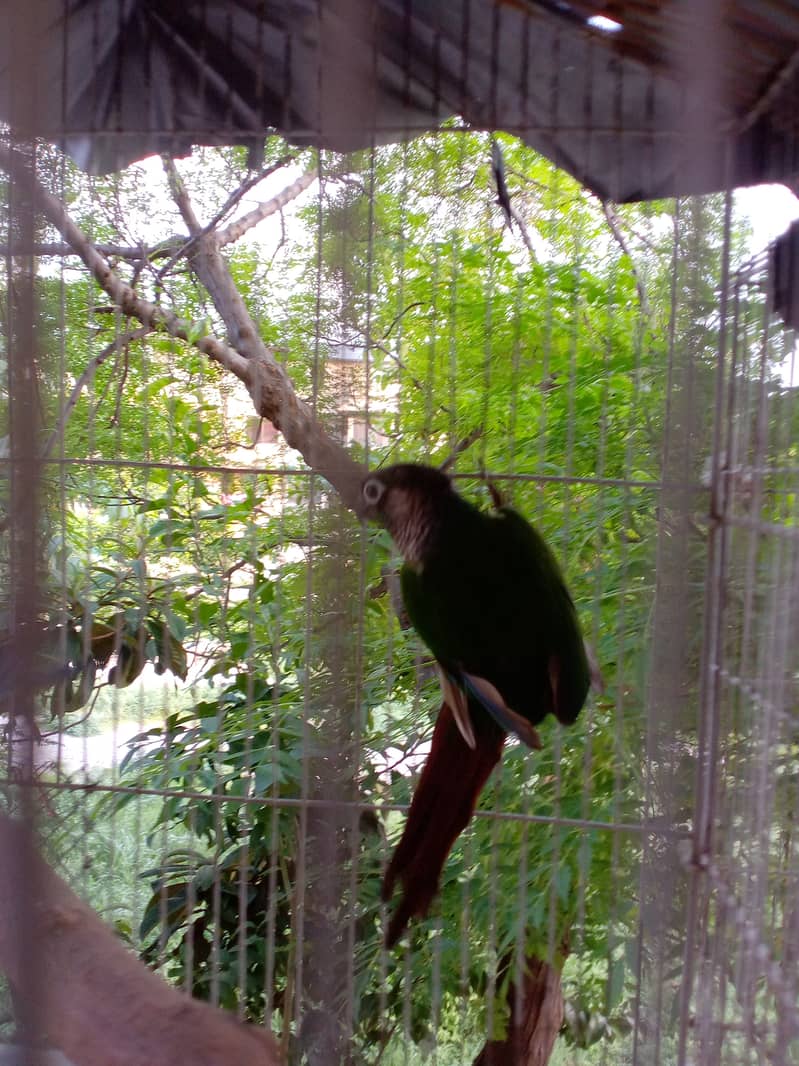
[[741, 921], [216, 709]]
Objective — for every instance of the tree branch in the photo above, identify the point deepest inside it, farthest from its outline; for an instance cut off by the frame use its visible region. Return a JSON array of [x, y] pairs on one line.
[[461, 446], [91, 368], [246, 356], [225, 209], [536, 1015], [269, 385], [102, 1005], [525, 233], [268, 207], [174, 247], [621, 240], [118, 251]]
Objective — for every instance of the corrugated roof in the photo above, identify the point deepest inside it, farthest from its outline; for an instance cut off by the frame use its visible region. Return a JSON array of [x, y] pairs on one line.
[[684, 97]]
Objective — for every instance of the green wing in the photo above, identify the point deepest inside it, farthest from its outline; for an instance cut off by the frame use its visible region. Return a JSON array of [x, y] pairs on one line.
[[492, 602]]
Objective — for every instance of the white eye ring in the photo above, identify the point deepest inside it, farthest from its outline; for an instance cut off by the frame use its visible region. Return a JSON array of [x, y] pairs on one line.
[[373, 490]]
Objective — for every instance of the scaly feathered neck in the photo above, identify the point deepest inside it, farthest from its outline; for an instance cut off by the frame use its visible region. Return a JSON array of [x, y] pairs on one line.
[[417, 527]]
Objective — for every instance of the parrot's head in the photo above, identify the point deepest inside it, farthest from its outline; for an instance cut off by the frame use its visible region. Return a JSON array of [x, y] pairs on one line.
[[408, 499]]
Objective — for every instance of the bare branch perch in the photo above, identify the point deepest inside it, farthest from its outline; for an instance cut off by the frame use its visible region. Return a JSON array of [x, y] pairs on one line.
[[246, 356], [98, 1001], [268, 207], [270, 388], [174, 247], [226, 208], [117, 251]]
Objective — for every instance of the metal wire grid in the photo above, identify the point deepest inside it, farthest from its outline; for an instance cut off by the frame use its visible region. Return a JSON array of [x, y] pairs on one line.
[[744, 937], [333, 70], [735, 1011], [326, 804]]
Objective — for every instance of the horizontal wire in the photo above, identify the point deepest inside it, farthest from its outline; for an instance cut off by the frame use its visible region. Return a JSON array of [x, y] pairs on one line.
[[774, 529], [400, 128], [343, 805], [288, 472]]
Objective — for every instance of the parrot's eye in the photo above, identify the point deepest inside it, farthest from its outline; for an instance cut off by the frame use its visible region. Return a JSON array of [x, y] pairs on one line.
[[372, 491]]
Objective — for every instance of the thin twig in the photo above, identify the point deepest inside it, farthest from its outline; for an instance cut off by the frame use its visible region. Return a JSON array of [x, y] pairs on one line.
[[283, 239], [403, 312], [621, 240], [236, 229], [398, 361], [517, 218], [225, 209], [246, 356], [121, 388], [118, 342], [462, 445], [105, 389]]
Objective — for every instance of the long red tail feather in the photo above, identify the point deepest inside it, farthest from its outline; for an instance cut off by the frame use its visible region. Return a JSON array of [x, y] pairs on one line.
[[452, 780]]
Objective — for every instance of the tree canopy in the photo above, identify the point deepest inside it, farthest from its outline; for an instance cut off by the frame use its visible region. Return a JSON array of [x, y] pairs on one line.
[[182, 538]]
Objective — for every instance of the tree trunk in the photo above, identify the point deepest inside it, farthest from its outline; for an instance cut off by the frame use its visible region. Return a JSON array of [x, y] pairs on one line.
[[536, 1016], [91, 995]]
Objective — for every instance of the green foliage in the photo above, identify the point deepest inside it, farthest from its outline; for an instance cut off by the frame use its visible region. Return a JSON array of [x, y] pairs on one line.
[[215, 576]]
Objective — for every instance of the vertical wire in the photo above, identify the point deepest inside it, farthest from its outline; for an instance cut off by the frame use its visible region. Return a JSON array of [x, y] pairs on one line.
[[360, 618], [566, 524], [780, 668], [743, 407], [517, 967], [621, 635], [543, 447], [436, 356], [456, 214], [750, 628], [767, 667], [647, 856], [97, 413], [435, 317], [142, 477], [646, 840], [399, 267], [712, 643], [171, 480], [489, 288], [737, 449], [244, 820], [641, 337], [24, 509], [92, 493], [60, 401], [752, 639], [786, 1034], [310, 592], [600, 492], [275, 857], [407, 954], [730, 450]]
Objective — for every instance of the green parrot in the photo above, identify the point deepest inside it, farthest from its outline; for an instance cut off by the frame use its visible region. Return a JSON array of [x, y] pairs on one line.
[[486, 595]]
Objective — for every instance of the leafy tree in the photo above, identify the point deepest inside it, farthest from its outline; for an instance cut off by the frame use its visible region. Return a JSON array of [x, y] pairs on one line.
[[549, 351]]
